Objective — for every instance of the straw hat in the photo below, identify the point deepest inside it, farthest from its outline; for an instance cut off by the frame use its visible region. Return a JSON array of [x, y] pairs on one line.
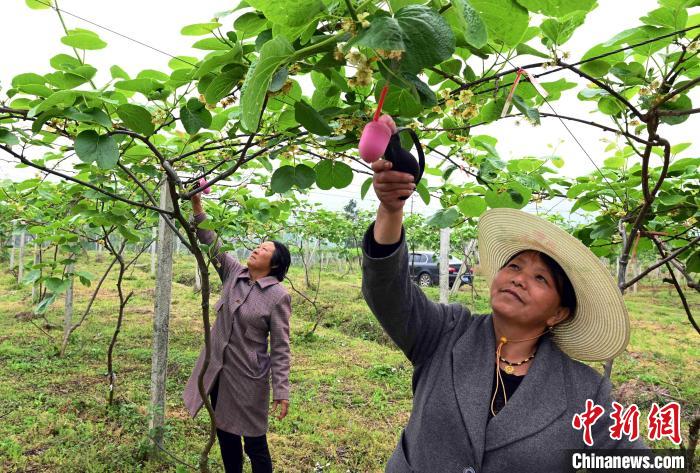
[[600, 328]]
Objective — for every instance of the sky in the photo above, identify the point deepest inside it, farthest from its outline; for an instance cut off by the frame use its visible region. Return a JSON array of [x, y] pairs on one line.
[[31, 37]]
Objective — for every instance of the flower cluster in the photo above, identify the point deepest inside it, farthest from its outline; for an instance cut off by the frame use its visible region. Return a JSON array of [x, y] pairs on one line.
[[465, 108], [347, 124], [396, 54], [159, 117], [364, 71], [362, 17]]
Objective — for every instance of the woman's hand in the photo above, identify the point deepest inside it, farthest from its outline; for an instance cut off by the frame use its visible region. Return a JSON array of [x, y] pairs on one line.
[[390, 186], [197, 204], [283, 411]]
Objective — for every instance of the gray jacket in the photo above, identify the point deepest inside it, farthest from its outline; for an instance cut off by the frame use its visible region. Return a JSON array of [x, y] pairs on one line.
[[453, 352]]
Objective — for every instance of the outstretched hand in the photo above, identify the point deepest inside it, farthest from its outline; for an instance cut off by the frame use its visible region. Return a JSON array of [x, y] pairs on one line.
[[390, 185]]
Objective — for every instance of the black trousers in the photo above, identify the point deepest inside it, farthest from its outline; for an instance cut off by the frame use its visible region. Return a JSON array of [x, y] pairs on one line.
[[232, 453]]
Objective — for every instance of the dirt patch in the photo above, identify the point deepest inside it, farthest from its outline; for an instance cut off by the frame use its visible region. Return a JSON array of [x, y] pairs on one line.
[[638, 392], [25, 316]]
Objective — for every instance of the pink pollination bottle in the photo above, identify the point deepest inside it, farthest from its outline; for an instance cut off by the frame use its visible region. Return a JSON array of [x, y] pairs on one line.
[[377, 133], [203, 182]]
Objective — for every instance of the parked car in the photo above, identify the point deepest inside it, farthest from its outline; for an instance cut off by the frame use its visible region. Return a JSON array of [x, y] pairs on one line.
[[425, 269]]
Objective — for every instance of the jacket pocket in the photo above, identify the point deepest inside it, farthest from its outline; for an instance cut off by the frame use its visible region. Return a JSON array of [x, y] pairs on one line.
[[398, 463]]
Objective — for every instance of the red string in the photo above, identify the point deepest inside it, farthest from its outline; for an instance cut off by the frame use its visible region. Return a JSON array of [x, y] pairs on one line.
[[382, 96]]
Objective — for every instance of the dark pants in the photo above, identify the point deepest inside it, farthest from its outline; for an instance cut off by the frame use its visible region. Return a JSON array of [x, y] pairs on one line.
[[231, 452]]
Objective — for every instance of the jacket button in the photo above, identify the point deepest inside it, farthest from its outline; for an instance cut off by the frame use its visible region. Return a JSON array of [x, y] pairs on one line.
[[469, 469]]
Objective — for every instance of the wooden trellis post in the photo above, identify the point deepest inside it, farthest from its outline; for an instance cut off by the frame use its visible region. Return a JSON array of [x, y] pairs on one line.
[[161, 319]]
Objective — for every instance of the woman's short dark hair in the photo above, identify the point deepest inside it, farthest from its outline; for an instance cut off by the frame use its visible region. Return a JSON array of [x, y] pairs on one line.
[[280, 261], [567, 295]]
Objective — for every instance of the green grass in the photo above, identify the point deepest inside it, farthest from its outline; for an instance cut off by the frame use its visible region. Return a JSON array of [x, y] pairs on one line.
[[350, 387]]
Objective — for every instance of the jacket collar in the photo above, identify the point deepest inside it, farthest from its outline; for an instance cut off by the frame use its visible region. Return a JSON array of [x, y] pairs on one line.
[[538, 401], [262, 282]]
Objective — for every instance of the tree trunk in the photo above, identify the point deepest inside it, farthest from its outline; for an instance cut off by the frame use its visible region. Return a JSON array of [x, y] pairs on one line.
[[444, 265], [197, 279], [37, 261], [13, 241], [20, 266], [161, 320], [68, 312]]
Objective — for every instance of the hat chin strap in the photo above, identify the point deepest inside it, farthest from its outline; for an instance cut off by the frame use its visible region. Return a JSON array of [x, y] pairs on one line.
[[499, 378]]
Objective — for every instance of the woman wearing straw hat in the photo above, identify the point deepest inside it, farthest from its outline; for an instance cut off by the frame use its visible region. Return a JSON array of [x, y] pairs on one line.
[[498, 393]]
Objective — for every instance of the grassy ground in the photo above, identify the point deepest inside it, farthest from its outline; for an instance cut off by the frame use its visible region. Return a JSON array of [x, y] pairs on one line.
[[351, 387]]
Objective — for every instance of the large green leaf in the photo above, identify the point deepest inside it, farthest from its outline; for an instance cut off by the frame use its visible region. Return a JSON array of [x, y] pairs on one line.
[[401, 101], [249, 24], [419, 31], [136, 118], [194, 116], [39, 4], [83, 39], [199, 29], [428, 38], [91, 147], [473, 27], [331, 174], [506, 21], [559, 31], [90, 115], [472, 205], [223, 84], [285, 177], [7, 137], [311, 119], [443, 218], [273, 54], [290, 17], [558, 8]]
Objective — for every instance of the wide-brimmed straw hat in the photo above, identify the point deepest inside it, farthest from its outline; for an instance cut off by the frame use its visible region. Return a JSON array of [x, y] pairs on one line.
[[600, 327]]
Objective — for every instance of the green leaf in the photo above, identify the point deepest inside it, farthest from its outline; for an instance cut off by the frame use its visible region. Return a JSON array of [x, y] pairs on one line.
[[91, 147], [90, 115], [428, 38], [609, 106], [39, 5], [290, 17], [401, 101], [60, 99], [182, 62], [682, 102], [675, 18], [365, 187], [211, 44], [7, 137], [443, 218], [285, 177], [423, 192], [472, 205], [56, 285], [31, 277], [136, 118], [273, 54], [384, 33], [118, 73], [45, 303], [473, 27], [64, 62], [506, 21], [331, 174], [199, 29], [558, 8], [310, 119], [560, 31], [631, 74], [83, 39], [692, 264], [249, 24], [671, 199], [223, 84], [530, 113], [194, 116], [27, 79], [144, 86]]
